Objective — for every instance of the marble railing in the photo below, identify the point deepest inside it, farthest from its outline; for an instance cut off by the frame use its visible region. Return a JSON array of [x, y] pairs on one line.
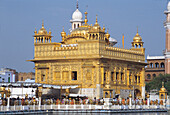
[[74, 107]]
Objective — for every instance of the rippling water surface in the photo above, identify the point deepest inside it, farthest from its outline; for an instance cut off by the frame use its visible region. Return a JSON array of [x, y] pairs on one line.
[[146, 113]]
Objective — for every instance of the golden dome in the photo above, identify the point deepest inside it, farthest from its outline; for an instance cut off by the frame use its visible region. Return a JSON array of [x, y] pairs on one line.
[[163, 88], [42, 31], [80, 30], [107, 35], [137, 37], [63, 33]]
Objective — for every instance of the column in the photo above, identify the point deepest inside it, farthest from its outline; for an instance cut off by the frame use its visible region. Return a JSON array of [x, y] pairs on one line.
[[109, 74], [43, 39], [132, 79], [114, 74], [8, 102], [119, 76], [39, 102], [130, 100], [70, 75], [128, 73], [102, 75], [148, 100], [92, 75], [34, 39], [137, 79], [142, 82]]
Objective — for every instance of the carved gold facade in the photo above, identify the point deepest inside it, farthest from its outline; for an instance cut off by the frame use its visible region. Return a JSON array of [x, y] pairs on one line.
[[85, 58]]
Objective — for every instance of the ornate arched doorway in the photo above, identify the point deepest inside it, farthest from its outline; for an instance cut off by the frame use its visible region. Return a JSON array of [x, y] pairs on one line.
[[137, 93]]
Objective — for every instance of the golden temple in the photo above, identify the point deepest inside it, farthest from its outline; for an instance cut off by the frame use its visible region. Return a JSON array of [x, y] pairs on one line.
[[88, 58]]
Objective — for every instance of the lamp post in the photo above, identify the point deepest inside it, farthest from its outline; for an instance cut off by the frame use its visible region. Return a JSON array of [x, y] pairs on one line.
[[130, 100], [8, 97], [32, 92], [148, 100], [39, 97]]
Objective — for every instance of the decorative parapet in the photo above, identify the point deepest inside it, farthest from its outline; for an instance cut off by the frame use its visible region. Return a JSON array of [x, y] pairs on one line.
[[125, 54], [124, 50], [65, 48]]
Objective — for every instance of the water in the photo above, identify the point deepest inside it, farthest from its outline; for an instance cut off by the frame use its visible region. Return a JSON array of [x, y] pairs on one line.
[[76, 113]]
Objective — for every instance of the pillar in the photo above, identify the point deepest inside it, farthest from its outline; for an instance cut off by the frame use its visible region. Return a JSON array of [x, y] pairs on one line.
[[142, 82], [114, 75], [8, 103], [39, 103], [119, 76], [130, 100], [128, 73], [148, 100], [137, 79], [102, 75]]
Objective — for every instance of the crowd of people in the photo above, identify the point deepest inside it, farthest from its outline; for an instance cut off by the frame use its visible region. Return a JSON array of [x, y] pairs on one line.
[[78, 100]]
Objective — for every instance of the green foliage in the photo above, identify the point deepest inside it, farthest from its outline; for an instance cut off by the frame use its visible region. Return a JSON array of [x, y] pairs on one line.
[[156, 83]]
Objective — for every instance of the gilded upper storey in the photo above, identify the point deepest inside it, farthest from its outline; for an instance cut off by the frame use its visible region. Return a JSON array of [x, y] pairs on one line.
[[85, 40]]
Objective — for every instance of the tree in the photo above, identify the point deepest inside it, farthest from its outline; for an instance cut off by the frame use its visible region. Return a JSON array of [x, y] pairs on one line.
[[156, 83]]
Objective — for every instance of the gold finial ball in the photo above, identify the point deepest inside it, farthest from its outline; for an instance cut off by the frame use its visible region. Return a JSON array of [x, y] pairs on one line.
[[26, 95], [104, 28], [148, 95], [107, 35], [130, 95], [63, 34]]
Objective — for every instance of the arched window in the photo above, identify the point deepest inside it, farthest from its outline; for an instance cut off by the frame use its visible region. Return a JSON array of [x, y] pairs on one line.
[[156, 65], [162, 65], [77, 25], [93, 36], [151, 65], [139, 46], [154, 75], [96, 36], [136, 45], [148, 76], [74, 26]]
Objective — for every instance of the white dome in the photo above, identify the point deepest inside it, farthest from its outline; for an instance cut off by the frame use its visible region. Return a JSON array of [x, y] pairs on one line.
[[168, 6], [112, 41], [77, 15]]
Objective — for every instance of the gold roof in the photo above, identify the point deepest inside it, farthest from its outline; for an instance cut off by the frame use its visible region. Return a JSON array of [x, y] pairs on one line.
[[137, 37], [42, 31], [162, 88]]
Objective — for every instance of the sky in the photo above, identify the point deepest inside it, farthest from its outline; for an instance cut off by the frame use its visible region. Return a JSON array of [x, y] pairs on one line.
[[19, 18]]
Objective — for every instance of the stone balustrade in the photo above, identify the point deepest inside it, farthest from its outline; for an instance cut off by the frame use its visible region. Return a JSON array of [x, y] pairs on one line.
[[80, 107]]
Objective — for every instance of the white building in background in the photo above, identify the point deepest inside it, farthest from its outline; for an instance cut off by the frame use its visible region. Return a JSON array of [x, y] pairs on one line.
[[7, 75]]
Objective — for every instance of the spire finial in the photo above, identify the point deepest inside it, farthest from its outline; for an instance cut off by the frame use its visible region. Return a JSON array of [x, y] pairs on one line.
[[50, 31], [77, 6], [107, 30], [104, 27], [63, 28], [137, 29], [96, 19], [85, 20], [162, 84], [35, 31], [42, 23]]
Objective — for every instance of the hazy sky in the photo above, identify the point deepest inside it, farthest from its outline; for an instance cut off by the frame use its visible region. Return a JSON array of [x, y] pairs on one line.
[[18, 19]]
